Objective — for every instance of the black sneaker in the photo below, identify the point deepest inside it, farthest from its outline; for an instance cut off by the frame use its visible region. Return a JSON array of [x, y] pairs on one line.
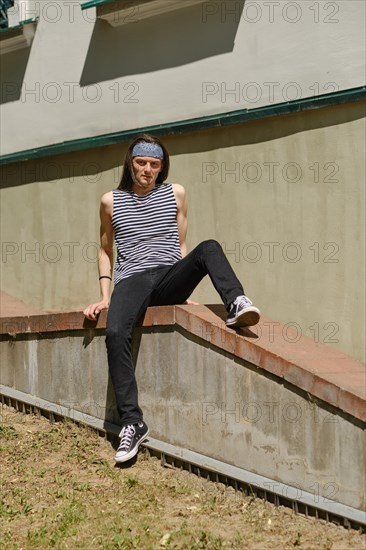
[[242, 313], [131, 437]]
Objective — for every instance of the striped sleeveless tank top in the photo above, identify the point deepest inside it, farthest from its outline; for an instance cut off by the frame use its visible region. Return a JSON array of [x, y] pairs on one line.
[[145, 230]]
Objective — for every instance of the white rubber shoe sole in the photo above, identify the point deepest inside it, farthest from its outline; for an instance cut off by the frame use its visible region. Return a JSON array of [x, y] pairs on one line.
[[248, 317], [127, 456]]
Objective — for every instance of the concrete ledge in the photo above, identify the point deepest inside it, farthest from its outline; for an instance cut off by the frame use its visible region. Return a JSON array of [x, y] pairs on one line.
[[315, 368]]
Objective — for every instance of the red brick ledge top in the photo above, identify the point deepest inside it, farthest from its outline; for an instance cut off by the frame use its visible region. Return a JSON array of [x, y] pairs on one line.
[[316, 368]]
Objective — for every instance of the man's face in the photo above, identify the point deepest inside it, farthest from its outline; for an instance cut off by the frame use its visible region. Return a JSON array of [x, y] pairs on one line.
[[146, 170]]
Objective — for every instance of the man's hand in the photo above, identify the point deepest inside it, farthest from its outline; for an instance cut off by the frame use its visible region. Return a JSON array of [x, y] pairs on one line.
[[92, 311], [191, 303]]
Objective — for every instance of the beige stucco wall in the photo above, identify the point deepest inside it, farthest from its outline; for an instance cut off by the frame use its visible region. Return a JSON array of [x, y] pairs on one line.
[[296, 240], [83, 78]]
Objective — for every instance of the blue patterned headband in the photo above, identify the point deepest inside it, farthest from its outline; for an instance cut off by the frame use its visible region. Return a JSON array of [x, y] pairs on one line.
[[146, 149]]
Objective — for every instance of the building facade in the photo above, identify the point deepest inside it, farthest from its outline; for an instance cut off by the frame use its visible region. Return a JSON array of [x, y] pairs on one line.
[[261, 105]]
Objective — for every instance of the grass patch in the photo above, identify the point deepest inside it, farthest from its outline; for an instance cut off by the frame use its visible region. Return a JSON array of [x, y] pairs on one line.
[[7, 432], [61, 489]]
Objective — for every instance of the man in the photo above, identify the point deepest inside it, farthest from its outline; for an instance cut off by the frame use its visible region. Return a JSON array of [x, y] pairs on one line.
[[148, 221]]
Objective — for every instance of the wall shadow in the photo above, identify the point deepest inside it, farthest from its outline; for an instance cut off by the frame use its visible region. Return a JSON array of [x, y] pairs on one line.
[[12, 70], [264, 130], [87, 165], [93, 162], [168, 40]]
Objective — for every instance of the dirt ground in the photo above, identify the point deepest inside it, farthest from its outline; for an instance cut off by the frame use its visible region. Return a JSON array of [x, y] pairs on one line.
[[61, 489]]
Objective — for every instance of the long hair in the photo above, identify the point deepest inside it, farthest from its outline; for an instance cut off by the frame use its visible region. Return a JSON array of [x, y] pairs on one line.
[[128, 176]]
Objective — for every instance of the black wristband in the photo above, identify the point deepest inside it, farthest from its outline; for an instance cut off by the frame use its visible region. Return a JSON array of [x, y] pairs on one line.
[[105, 277]]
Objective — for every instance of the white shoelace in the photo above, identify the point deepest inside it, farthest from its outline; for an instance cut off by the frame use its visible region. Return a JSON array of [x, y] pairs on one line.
[[126, 435], [242, 301]]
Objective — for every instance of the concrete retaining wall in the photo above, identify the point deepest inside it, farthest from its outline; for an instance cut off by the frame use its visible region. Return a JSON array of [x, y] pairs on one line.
[[205, 399]]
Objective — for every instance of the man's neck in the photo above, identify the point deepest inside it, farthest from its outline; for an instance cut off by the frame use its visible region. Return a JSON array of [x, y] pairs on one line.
[[142, 190]]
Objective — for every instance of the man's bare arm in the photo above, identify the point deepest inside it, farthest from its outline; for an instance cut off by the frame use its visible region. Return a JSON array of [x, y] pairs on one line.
[[182, 211], [105, 256], [182, 221]]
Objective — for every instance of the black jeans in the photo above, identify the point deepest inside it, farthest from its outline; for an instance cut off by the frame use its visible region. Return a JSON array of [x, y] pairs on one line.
[[165, 285]]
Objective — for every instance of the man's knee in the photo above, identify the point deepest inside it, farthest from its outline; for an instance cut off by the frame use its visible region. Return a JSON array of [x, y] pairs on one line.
[[111, 333], [210, 245], [114, 334]]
